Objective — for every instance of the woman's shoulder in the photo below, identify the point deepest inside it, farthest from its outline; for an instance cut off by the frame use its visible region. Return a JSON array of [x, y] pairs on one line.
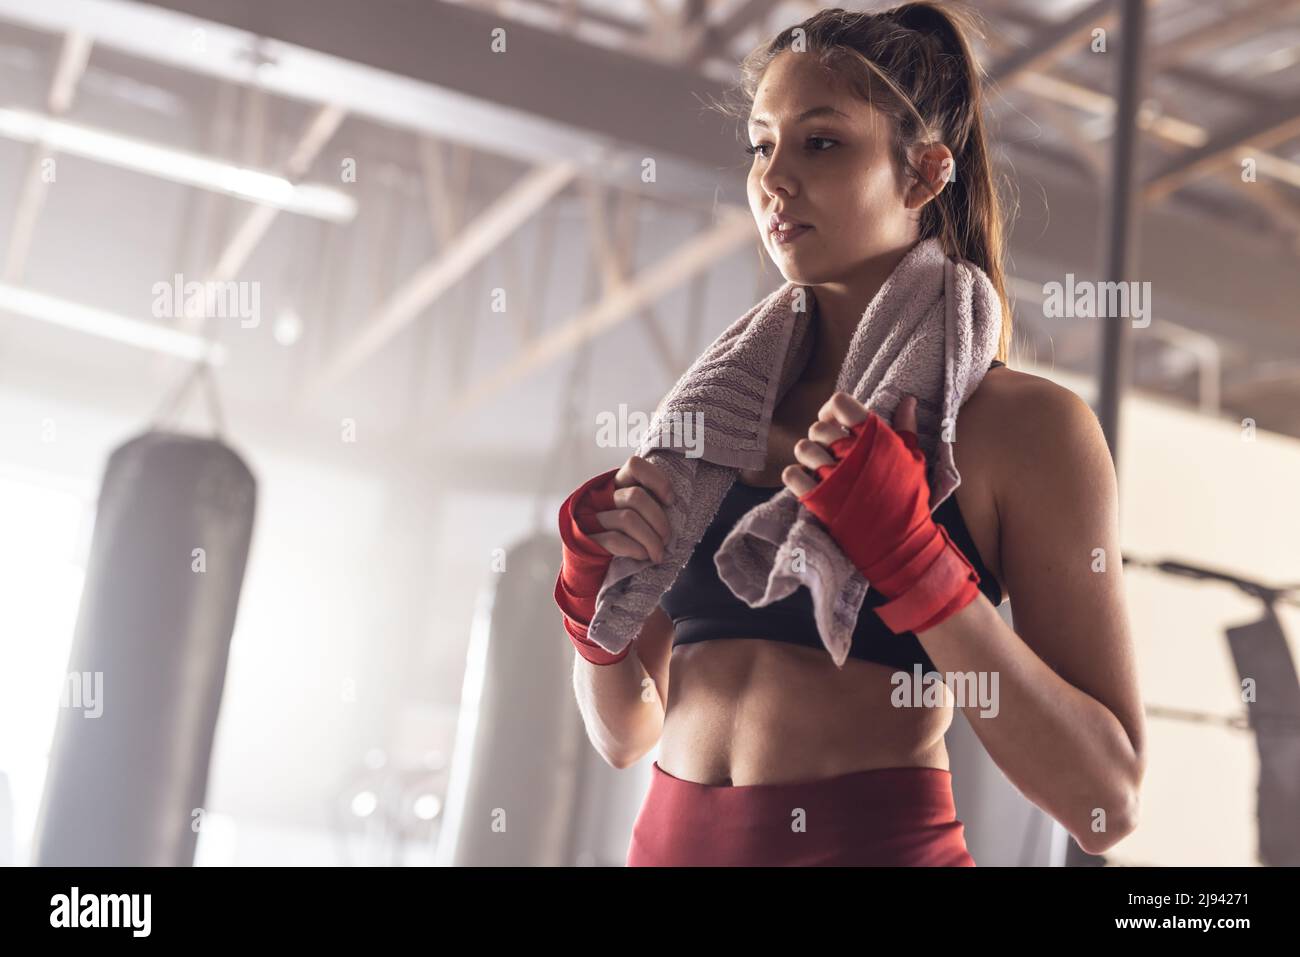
[[1007, 400], [1016, 423]]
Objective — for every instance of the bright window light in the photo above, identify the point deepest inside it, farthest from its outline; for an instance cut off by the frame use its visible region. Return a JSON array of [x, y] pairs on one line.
[[41, 575]]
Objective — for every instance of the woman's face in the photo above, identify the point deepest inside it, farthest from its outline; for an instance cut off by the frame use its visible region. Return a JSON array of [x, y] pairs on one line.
[[831, 170]]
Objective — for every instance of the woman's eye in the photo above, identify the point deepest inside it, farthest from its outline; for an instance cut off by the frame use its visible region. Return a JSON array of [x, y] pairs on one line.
[[759, 147]]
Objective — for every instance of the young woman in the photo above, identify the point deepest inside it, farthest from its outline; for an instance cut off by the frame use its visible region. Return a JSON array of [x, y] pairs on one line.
[[866, 129]]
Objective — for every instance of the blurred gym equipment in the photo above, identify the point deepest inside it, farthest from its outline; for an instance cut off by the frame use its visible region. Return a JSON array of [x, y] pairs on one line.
[[126, 785]]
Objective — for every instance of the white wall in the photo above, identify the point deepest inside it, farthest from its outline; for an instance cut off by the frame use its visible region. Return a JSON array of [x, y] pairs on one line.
[[1193, 490]]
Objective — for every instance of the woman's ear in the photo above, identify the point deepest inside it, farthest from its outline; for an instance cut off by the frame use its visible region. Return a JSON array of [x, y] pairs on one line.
[[938, 168]]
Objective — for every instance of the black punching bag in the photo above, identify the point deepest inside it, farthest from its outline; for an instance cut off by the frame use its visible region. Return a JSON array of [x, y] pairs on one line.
[[128, 772], [1262, 655]]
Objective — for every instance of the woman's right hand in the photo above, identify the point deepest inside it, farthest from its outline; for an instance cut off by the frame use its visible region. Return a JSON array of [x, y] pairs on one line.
[[638, 526]]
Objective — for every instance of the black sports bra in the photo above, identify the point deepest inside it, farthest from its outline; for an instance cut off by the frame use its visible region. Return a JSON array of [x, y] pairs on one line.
[[703, 608]]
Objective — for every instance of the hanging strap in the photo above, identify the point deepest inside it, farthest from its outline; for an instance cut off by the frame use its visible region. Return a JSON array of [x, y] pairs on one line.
[[172, 403]]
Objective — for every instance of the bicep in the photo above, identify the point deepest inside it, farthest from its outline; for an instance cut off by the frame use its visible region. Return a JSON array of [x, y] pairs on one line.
[[1060, 554]]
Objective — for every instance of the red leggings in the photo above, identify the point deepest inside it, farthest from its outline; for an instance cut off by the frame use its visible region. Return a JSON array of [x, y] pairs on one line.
[[899, 817]]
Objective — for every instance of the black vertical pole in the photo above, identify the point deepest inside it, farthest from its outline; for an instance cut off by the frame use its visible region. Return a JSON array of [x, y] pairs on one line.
[[1121, 219], [1119, 230]]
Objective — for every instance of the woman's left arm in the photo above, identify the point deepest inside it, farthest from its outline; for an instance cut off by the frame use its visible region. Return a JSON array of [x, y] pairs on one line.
[[1067, 728]]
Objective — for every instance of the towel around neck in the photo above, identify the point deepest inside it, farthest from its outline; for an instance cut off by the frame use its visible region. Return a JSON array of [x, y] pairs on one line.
[[931, 331]]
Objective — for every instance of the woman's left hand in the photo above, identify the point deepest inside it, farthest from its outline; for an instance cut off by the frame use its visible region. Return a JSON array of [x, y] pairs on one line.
[[837, 416], [868, 488]]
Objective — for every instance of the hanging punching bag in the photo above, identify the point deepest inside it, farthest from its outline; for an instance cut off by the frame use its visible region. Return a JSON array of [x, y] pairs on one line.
[[514, 770], [129, 762], [526, 787], [1263, 658]]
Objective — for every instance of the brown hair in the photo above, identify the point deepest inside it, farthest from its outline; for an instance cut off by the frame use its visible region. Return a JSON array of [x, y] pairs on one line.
[[932, 89]]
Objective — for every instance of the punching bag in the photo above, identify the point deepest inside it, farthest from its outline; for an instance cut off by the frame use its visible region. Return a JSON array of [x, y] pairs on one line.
[[129, 761], [526, 787], [516, 764], [1263, 658]]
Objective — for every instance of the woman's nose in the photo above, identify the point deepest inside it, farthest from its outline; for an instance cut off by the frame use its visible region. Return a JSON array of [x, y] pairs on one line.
[[777, 175]]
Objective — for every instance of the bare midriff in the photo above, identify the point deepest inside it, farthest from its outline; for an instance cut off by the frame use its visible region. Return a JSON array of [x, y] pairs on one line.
[[753, 711]]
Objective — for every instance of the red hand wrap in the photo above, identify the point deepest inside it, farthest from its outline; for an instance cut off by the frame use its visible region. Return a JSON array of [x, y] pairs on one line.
[[874, 501], [582, 571]]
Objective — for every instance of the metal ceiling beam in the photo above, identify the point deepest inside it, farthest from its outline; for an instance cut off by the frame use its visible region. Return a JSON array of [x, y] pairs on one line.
[[1270, 122], [92, 321], [175, 165], [569, 11], [1087, 150], [615, 253], [73, 56], [730, 232], [258, 221], [592, 95], [1206, 279], [1230, 27], [1280, 208], [1272, 125], [705, 39], [434, 83], [1189, 73], [1228, 87], [1268, 199], [661, 30], [1053, 40], [474, 243], [446, 203], [318, 132], [1170, 128]]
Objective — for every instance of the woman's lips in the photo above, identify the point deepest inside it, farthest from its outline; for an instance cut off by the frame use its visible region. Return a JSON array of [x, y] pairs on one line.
[[788, 235]]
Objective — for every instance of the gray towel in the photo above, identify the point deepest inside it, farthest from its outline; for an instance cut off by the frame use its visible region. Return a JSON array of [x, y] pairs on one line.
[[930, 331]]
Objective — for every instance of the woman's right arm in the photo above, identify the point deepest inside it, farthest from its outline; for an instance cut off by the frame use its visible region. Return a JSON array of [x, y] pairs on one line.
[[622, 700], [623, 705]]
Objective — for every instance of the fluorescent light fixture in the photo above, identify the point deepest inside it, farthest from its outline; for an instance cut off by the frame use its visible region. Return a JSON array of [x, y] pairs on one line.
[[179, 166], [108, 325]]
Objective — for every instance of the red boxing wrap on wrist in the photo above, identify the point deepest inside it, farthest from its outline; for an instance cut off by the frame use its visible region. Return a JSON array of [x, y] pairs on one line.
[[584, 564], [874, 502]]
